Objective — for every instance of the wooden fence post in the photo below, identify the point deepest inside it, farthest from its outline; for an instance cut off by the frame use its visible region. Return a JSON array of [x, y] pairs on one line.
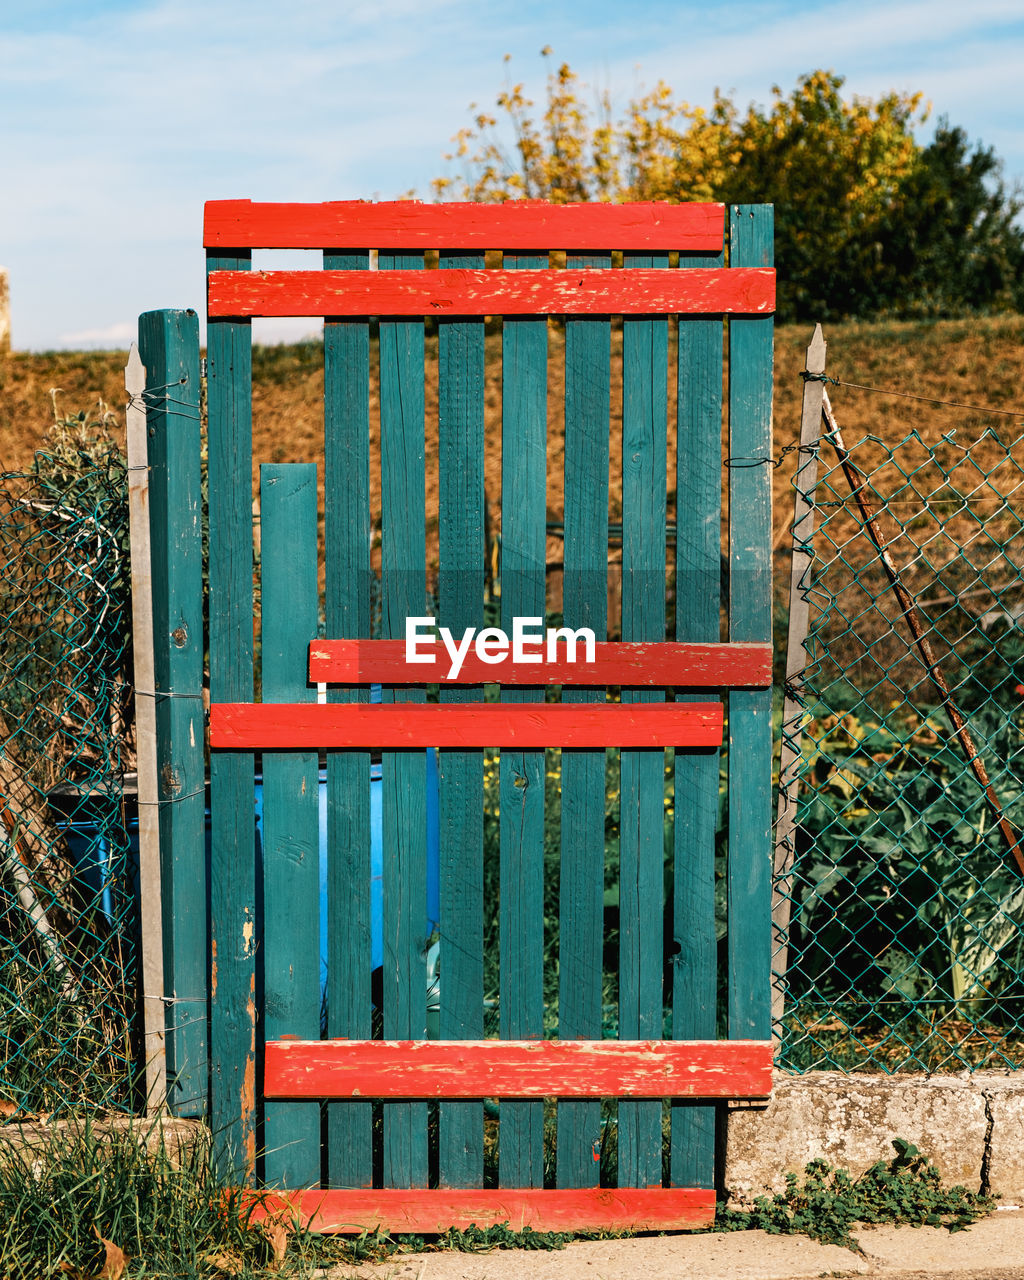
[[146, 751], [169, 347], [805, 481]]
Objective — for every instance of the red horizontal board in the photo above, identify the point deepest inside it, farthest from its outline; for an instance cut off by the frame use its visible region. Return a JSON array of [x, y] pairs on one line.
[[457, 291], [518, 1069], [522, 226], [432, 1212], [660, 665], [249, 726]]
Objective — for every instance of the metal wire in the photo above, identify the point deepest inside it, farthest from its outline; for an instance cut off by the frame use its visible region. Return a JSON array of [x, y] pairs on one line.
[[67, 860], [906, 938]]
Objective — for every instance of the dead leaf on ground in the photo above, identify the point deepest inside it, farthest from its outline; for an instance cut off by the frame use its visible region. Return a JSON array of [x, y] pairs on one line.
[[277, 1232], [230, 1263], [111, 1268]]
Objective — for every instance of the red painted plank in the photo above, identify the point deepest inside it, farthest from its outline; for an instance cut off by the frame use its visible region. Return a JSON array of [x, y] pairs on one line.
[[661, 665], [456, 291], [431, 1212], [518, 1068], [247, 726], [521, 226]]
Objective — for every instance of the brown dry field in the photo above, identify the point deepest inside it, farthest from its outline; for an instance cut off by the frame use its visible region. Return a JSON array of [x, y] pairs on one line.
[[977, 361]]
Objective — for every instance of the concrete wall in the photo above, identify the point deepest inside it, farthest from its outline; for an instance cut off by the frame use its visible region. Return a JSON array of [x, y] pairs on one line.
[[970, 1126]]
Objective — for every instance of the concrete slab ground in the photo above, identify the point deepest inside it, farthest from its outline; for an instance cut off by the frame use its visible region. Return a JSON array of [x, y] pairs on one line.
[[990, 1250]]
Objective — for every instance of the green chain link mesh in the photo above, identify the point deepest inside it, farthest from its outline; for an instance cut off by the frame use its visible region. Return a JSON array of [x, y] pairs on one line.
[[906, 943], [67, 907]]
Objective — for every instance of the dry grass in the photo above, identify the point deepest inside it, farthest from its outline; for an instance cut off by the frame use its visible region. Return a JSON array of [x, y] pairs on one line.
[[971, 361]]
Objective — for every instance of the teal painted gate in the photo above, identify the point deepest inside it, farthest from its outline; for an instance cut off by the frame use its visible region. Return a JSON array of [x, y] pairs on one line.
[[408, 1161]]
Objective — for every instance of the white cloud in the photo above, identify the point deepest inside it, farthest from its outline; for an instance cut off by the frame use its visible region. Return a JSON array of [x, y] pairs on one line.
[[123, 116], [121, 334]]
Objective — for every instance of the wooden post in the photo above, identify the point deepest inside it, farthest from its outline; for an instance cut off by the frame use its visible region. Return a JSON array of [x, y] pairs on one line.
[[169, 348], [348, 592], [805, 482], [291, 884], [584, 604], [696, 773], [750, 618], [232, 802], [150, 909]]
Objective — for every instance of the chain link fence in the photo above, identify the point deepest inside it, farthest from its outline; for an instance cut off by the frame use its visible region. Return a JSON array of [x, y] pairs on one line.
[[906, 937], [67, 908]]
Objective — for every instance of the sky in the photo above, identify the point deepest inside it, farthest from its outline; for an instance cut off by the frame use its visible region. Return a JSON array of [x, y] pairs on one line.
[[123, 116]]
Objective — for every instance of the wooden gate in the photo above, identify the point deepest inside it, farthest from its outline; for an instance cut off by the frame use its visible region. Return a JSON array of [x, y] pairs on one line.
[[336, 1096]]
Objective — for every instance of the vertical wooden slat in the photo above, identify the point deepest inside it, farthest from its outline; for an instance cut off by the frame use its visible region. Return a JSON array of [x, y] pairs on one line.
[[642, 776], [521, 773], [348, 580], [695, 785], [403, 795], [750, 618], [169, 347], [585, 604], [233, 938], [460, 781], [291, 816]]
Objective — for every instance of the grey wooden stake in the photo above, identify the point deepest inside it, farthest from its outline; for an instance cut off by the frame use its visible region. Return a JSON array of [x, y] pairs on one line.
[[805, 482], [145, 736]]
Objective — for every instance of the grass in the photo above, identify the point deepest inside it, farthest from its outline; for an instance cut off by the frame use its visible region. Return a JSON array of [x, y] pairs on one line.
[[84, 1203], [90, 1202], [975, 361]]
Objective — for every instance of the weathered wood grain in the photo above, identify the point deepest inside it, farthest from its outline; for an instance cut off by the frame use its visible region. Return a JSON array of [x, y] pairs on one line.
[[524, 355], [461, 554], [642, 773], [463, 292], [348, 587], [518, 1068], [696, 775], [584, 603], [403, 775], [257, 726], [169, 347], [291, 821], [660, 664], [750, 618], [431, 1212], [232, 806], [520, 226]]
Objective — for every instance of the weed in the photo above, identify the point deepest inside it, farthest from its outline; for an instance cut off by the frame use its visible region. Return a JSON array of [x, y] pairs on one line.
[[903, 1191]]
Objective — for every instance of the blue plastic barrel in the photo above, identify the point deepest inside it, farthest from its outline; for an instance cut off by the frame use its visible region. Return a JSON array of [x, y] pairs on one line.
[[433, 904]]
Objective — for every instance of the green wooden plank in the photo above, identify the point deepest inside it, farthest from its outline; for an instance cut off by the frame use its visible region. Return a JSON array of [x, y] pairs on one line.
[[348, 584], [584, 604], [521, 773], [403, 792], [642, 777], [461, 789], [291, 811], [750, 618], [169, 348], [695, 785], [233, 939]]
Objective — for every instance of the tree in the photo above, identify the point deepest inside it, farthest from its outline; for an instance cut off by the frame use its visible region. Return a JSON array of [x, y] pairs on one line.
[[867, 220]]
